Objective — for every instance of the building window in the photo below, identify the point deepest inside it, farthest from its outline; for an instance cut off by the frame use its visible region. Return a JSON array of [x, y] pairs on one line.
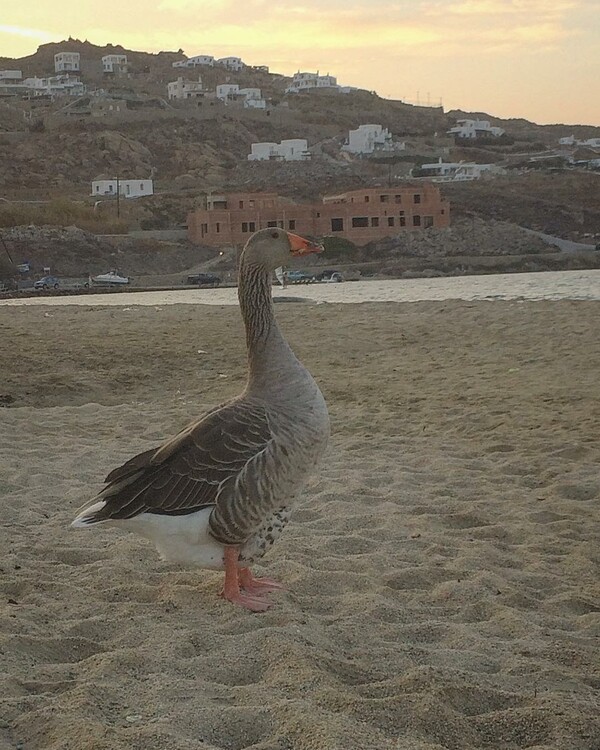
[[98, 190], [417, 198], [217, 227], [360, 221], [142, 186], [443, 211], [366, 198], [241, 204], [427, 221], [402, 221], [398, 199], [318, 215], [337, 225], [203, 229], [244, 226], [384, 198], [252, 226], [271, 223], [416, 221], [292, 224], [390, 221], [374, 221], [250, 204]]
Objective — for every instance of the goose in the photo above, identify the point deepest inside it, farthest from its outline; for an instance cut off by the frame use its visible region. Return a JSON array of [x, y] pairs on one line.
[[218, 494]]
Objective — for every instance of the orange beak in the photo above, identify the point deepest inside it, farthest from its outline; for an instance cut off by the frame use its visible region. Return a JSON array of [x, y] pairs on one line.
[[300, 246]]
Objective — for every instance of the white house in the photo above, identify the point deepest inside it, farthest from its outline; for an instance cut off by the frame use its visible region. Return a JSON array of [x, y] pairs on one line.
[[193, 62], [66, 61], [293, 149], [569, 140], [441, 171], [475, 129], [306, 81], [255, 103], [127, 188], [181, 89], [253, 98], [114, 63], [232, 63], [369, 138], [10, 75], [227, 91], [263, 151], [63, 84]]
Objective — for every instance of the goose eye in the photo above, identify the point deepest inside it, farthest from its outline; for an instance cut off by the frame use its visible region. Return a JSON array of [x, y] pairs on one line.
[[275, 235]]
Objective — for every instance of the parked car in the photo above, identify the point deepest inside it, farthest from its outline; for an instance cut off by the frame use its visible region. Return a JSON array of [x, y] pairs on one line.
[[299, 277], [204, 279], [47, 282], [329, 274]]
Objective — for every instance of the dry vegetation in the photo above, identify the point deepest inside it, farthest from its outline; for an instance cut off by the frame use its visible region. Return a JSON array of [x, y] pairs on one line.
[[61, 213]]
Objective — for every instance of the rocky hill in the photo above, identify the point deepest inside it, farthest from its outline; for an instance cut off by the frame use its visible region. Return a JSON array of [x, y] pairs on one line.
[[53, 148]]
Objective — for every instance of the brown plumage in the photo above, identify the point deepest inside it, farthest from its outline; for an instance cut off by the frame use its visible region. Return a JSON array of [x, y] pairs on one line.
[[220, 492]]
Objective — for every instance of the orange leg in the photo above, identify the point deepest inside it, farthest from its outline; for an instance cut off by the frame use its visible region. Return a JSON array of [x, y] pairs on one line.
[[257, 585], [231, 589]]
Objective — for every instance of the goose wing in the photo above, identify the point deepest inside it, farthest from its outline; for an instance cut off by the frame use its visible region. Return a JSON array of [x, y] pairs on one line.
[[216, 461]]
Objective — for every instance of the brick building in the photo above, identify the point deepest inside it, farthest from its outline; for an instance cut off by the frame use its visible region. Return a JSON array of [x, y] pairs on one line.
[[360, 216]]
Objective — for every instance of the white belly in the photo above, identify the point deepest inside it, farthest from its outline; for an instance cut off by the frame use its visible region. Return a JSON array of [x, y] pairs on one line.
[[180, 539]]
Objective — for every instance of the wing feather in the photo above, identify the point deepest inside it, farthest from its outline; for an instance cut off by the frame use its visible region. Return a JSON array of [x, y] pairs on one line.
[[199, 467]]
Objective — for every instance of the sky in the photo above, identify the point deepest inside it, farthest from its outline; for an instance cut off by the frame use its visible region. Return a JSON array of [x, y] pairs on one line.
[[537, 59]]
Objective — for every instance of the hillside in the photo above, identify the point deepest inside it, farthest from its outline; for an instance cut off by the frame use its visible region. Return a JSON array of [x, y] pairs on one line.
[[53, 148]]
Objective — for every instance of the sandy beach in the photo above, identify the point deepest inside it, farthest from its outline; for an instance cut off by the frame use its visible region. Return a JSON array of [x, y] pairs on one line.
[[441, 569]]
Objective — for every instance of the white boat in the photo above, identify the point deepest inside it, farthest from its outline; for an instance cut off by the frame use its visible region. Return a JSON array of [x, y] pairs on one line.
[[112, 277]]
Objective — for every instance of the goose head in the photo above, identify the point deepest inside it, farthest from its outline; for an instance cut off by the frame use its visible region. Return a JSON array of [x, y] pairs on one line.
[[274, 247]]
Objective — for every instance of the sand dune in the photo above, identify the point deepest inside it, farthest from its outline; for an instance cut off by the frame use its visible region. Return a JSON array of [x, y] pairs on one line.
[[442, 569]]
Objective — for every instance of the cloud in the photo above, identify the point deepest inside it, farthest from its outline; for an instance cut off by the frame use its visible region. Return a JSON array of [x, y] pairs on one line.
[[42, 36]]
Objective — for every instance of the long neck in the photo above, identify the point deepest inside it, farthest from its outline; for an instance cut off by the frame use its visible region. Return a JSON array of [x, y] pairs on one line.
[[269, 354]]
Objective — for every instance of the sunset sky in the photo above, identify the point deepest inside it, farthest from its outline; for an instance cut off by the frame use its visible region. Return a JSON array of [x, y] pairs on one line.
[[538, 59]]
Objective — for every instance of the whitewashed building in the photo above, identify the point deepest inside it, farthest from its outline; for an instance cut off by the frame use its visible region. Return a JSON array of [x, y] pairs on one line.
[[253, 98], [126, 188], [263, 151], [181, 89], [10, 75], [227, 91], [369, 138], [114, 64], [193, 62], [307, 81], [293, 149], [475, 129], [441, 171], [63, 84], [232, 63], [570, 140], [66, 61]]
